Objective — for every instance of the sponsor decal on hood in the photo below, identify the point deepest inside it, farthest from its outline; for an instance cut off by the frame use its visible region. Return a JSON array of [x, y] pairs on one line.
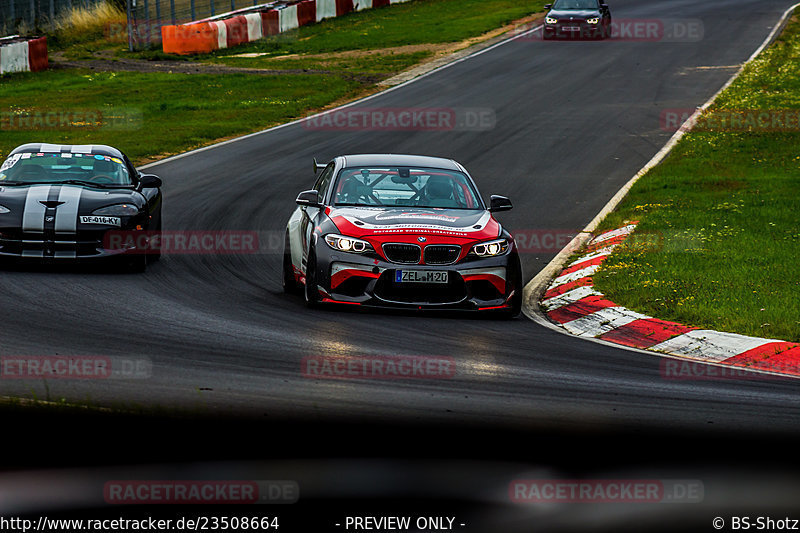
[[392, 221]]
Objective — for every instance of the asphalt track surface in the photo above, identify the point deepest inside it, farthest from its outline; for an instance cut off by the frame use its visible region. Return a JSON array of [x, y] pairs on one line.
[[574, 121]]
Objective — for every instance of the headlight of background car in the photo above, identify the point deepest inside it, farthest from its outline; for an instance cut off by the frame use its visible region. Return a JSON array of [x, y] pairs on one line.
[[117, 210], [347, 244], [593, 21], [550, 20], [490, 248], [4, 209]]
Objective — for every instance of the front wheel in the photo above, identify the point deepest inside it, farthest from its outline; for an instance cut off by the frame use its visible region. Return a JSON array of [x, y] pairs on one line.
[[516, 282], [290, 285], [134, 263], [155, 255], [607, 31], [311, 292]]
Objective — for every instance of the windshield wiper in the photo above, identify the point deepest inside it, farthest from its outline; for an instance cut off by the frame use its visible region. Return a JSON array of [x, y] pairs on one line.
[[89, 183]]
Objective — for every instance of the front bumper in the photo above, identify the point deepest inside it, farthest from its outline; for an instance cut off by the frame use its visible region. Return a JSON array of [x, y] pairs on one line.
[[475, 285], [84, 245], [573, 30]]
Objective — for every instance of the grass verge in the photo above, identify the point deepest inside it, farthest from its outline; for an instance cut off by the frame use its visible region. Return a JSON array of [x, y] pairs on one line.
[[166, 113], [83, 26], [190, 109], [719, 237]]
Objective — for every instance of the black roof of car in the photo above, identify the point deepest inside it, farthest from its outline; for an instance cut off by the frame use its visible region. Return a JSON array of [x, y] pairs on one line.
[[399, 160], [94, 149]]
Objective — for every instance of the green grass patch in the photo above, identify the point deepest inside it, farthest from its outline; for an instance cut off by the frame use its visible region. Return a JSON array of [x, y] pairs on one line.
[[421, 21], [86, 27], [190, 111], [377, 64], [197, 109], [719, 236]]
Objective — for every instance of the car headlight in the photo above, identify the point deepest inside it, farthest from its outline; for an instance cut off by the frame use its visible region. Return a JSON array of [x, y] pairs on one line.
[[4, 210], [117, 210], [593, 21], [550, 20], [490, 248], [347, 244]]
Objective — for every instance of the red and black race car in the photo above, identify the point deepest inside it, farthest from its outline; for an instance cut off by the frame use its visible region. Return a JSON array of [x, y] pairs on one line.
[[401, 231]]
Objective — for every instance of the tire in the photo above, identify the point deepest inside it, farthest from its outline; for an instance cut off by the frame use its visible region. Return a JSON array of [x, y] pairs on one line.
[[516, 300], [134, 263], [290, 285], [152, 257], [310, 291]]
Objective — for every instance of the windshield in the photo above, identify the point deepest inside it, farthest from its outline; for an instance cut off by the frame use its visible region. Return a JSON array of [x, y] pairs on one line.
[[100, 170], [393, 186], [575, 4]]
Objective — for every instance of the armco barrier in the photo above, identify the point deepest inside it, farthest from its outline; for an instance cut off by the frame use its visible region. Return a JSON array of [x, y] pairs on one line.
[[238, 27], [20, 54]]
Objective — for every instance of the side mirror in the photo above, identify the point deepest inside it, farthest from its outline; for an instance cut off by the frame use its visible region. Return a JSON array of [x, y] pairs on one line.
[[499, 203], [149, 181], [308, 198], [318, 166], [548, 6]]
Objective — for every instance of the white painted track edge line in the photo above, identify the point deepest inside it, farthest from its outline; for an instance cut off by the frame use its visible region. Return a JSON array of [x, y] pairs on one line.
[[349, 104], [536, 286]]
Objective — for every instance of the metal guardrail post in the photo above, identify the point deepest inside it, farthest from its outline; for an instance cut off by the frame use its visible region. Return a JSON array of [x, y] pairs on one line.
[[172, 11], [130, 26], [191, 3], [147, 21], [158, 17]]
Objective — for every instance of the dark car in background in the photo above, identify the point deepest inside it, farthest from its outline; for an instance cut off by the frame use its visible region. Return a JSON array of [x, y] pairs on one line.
[[61, 203], [577, 19]]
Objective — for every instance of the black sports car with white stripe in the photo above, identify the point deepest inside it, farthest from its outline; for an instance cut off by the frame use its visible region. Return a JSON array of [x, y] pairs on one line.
[[77, 202]]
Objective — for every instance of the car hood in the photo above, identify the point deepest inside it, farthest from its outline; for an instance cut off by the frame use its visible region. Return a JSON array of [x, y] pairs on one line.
[[362, 222], [25, 201], [578, 14]]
